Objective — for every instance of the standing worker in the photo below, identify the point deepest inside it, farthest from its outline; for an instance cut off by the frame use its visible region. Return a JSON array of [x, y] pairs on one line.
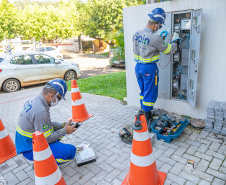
[[146, 47], [35, 116]]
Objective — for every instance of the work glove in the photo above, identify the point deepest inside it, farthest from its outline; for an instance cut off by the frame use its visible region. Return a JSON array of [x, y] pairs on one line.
[[175, 38]]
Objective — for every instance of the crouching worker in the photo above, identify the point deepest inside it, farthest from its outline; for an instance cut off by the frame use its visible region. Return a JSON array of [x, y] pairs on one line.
[[35, 116]]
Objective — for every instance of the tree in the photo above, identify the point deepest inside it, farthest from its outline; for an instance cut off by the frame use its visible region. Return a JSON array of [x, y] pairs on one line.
[[103, 17], [9, 20]]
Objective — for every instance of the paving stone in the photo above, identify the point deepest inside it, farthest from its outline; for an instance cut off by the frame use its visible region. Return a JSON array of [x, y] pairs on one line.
[[216, 174], [203, 148], [191, 150], [111, 176], [168, 182], [203, 165], [103, 182], [217, 181], [189, 177], [176, 178], [26, 181], [159, 164], [14, 182], [203, 156], [9, 176], [177, 168], [193, 143], [169, 152], [21, 175], [222, 169], [92, 167], [167, 160], [203, 182], [215, 146], [158, 153], [119, 166], [203, 175], [165, 168], [87, 177], [222, 149], [189, 183], [69, 171], [190, 157], [193, 136], [99, 176], [184, 145], [203, 134], [116, 182], [203, 141], [179, 159], [215, 154], [106, 167], [171, 145], [74, 179], [215, 164], [182, 138], [180, 151]]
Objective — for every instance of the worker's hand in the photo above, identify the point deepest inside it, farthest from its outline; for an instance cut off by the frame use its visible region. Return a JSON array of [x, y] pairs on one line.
[[176, 38], [70, 129]]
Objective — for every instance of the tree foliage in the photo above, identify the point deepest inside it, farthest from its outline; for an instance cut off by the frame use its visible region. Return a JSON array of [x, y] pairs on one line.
[[47, 21], [9, 21]]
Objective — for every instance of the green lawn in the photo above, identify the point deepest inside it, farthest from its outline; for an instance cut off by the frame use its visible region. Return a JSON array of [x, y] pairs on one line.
[[112, 85]]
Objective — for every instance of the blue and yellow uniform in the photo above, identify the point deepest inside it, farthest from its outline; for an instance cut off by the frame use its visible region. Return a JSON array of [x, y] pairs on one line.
[[34, 117], [146, 47]]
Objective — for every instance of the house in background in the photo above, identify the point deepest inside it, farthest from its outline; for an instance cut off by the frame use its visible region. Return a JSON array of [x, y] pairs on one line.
[[203, 48]]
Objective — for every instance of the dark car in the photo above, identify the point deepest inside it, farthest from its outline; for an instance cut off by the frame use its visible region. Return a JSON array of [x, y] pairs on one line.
[[116, 57]]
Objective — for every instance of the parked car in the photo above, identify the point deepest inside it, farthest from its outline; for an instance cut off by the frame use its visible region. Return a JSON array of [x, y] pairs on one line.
[[115, 58], [52, 50], [20, 69]]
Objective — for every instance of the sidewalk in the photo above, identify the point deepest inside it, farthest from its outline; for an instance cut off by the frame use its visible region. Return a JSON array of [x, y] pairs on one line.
[[113, 156]]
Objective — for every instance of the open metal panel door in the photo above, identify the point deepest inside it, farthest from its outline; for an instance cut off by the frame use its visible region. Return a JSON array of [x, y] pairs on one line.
[[194, 56], [164, 63]]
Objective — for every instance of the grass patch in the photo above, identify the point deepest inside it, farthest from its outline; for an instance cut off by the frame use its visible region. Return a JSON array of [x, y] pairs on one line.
[[112, 85], [105, 54]]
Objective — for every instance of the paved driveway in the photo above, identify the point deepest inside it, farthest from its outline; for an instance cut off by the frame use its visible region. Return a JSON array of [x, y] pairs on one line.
[[113, 156]]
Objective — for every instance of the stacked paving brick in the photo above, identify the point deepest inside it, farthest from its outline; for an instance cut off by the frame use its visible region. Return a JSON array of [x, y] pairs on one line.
[[216, 117]]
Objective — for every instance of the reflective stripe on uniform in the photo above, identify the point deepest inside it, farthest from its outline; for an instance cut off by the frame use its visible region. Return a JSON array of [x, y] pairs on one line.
[[42, 155], [75, 89], [77, 102], [148, 103], [141, 97], [62, 160], [146, 60], [23, 133], [48, 133], [3, 134], [50, 179], [168, 49], [141, 136], [142, 161], [27, 134]]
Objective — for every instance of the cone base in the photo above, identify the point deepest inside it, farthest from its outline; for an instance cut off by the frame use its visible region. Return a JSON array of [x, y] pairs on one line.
[[161, 179], [81, 119], [8, 157]]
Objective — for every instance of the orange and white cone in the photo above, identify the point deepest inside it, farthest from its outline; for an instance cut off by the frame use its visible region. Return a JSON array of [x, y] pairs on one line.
[[143, 169], [7, 147], [79, 112], [45, 166]]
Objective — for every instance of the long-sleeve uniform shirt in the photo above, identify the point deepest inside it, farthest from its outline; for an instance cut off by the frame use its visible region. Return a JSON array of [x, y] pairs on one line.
[[146, 47], [34, 117]]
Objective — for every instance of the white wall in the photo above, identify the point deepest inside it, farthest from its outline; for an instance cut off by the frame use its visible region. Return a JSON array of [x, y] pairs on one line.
[[212, 64]]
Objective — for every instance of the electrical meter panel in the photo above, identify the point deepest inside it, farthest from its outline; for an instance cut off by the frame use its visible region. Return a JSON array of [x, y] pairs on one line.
[[181, 25], [183, 64]]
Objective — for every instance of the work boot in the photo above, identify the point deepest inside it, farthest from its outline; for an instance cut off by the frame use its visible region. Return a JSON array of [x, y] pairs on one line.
[[149, 118]]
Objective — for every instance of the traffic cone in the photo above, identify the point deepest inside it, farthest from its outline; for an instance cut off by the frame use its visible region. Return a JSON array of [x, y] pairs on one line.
[[45, 166], [143, 169], [79, 112], [7, 147]]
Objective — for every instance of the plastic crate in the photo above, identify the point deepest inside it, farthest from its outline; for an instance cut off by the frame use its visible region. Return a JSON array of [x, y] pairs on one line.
[[169, 138]]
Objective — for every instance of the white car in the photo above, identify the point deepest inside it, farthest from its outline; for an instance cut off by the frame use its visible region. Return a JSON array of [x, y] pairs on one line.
[[52, 50], [20, 69]]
